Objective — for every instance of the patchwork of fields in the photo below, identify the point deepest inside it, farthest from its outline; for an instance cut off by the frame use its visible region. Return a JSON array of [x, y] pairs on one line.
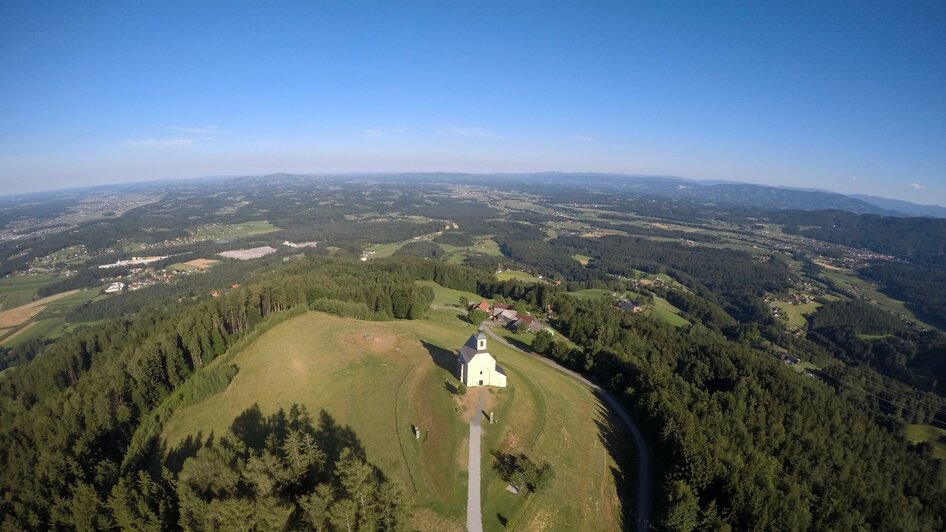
[[43, 318]]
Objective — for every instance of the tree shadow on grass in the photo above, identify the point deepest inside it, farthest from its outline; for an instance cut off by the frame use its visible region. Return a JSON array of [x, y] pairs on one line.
[[174, 458], [284, 471], [620, 446], [257, 431], [518, 343]]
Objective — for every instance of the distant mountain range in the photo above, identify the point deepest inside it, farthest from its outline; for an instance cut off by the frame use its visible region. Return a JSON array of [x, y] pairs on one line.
[[724, 193], [760, 196], [727, 193], [910, 209]]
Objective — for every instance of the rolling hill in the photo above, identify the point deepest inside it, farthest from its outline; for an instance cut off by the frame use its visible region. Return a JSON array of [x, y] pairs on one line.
[[371, 382]]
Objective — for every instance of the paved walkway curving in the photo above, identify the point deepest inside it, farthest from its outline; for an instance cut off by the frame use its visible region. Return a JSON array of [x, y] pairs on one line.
[[474, 518], [644, 471]]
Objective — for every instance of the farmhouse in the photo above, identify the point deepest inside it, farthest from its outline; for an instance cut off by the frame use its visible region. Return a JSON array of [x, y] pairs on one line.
[[527, 322], [476, 367], [483, 306]]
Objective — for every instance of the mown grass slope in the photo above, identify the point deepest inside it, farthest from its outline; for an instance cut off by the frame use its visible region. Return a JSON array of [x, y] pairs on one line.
[[380, 378]]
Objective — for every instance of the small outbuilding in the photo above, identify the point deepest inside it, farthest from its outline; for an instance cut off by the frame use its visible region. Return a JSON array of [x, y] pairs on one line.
[[476, 367]]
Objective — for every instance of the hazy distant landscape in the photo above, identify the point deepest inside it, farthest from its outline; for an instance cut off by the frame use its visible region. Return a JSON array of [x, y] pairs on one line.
[[567, 266], [186, 307]]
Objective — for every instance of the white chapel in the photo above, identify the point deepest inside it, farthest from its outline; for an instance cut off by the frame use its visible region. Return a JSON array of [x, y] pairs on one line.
[[476, 367]]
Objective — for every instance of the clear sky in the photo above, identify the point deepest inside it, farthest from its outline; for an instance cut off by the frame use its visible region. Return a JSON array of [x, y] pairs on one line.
[[845, 96]]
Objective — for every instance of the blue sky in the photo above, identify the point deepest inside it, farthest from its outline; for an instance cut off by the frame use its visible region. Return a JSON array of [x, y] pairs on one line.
[[842, 96]]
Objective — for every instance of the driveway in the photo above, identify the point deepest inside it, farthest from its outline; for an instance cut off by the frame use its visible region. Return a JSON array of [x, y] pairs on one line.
[[474, 518]]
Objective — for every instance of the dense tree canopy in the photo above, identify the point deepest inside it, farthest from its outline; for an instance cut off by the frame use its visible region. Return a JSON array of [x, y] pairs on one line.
[[97, 399], [744, 440]]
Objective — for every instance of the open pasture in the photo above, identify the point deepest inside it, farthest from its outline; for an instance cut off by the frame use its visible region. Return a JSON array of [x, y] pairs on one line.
[[380, 378], [233, 231], [19, 290]]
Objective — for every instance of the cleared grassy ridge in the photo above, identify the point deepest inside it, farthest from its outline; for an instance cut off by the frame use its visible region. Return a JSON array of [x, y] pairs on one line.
[[797, 314], [448, 296], [380, 378], [663, 310]]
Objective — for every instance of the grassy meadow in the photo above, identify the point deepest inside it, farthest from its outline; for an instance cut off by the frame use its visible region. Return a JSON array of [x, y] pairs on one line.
[[19, 289], [234, 231], [582, 259], [51, 322], [797, 314], [936, 437], [518, 276], [380, 378], [849, 281], [663, 310], [448, 296], [380, 251]]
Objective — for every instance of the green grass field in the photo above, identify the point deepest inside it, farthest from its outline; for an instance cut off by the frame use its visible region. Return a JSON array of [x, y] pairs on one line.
[[582, 259], [482, 245], [487, 246], [797, 314], [51, 322], [20, 289], [68, 255], [379, 378], [846, 280], [873, 336], [384, 250], [70, 301], [518, 276], [448, 296], [49, 328], [234, 231], [591, 293], [663, 310], [930, 434]]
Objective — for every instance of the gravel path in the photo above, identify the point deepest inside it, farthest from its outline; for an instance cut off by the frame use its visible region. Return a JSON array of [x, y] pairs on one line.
[[474, 518]]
